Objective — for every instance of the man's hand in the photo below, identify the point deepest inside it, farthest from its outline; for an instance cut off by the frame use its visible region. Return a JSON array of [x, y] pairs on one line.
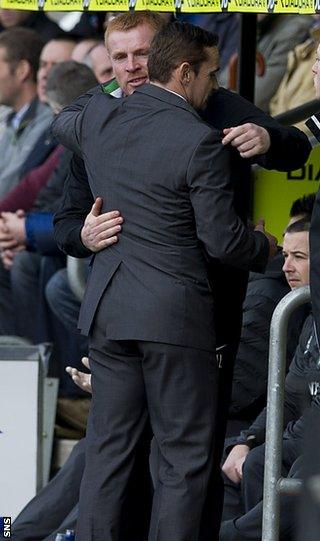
[[232, 467], [273, 243], [249, 139], [81, 379], [7, 257], [12, 231], [100, 230]]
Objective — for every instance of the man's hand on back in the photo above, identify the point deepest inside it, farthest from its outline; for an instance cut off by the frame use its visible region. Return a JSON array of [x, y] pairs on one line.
[[249, 139], [100, 230]]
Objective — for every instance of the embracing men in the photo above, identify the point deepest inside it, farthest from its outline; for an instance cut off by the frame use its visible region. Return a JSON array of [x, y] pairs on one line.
[[148, 305]]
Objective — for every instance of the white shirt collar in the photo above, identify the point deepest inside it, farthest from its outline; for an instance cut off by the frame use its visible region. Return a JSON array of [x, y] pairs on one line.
[[176, 93], [16, 119]]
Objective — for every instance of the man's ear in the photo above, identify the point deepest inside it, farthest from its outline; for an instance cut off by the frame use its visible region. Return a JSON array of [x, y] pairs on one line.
[[23, 70], [185, 72]]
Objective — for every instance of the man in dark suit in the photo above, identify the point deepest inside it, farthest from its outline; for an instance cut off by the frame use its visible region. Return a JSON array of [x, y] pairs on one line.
[[252, 135], [151, 341]]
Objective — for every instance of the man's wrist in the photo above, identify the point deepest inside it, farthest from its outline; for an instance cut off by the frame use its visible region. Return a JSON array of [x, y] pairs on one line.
[[250, 441]]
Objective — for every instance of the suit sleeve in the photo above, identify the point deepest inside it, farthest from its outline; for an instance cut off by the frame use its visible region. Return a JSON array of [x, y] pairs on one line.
[[66, 126], [290, 147], [76, 204], [218, 227]]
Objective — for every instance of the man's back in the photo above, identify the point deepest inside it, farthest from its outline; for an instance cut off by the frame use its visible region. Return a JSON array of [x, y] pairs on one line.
[[176, 197]]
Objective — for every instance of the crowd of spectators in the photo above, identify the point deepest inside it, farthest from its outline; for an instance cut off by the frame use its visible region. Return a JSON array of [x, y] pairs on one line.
[[43, 69]]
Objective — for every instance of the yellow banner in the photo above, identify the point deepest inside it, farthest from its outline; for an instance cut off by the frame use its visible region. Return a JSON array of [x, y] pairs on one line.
[[201, 6], [155, 5], [31, 5], [63, 5], [274, 192], [293, 6], [248, 6], [108, 5], [304, 7]]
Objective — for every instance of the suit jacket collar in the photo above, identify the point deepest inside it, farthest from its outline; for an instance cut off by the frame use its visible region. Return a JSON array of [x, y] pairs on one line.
[[167, 97]]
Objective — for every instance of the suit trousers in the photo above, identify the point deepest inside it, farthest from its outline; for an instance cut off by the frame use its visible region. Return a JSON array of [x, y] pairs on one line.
[[177, 387]]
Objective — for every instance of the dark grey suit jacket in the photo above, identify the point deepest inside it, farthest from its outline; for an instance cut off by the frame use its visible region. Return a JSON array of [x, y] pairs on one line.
[[153, 158]]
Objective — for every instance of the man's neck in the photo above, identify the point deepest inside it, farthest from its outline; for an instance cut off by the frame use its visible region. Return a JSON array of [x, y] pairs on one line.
[[173, 87], [27, 95]]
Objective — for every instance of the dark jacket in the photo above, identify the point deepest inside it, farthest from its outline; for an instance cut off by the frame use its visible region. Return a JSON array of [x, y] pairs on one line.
[[39, 223], [302, 391], [42, 149], [313, 125], [176, 202], [289, 150], [315, 264], [251, 364]]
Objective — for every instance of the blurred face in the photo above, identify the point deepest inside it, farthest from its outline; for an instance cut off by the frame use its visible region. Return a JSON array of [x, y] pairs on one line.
[[52, 53], [9, 82], [200, 85], [128, 53], [316, 73], [101, 63], [296, 255], [13, 17], [82, 48]]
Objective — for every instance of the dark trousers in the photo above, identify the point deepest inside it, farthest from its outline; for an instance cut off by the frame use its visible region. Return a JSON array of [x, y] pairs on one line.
[[177, 387], [243, 502]]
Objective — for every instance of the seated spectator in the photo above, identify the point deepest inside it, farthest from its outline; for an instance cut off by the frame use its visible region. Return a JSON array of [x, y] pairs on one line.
[[43, 158], [21, 286], [35, 20], [251, 365], [55, 51], [82, 49], [244, 465], [297, 86], [277, 35], [19, 61], [99, 61]]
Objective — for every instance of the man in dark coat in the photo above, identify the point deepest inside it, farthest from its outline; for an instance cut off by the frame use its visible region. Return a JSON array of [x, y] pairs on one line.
[[245, 462]]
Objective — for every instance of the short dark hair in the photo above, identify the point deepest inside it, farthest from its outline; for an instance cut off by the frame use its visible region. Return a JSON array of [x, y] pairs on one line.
[[303, 206], [68, 80], [299, 226], [22, 44], [176, 43]]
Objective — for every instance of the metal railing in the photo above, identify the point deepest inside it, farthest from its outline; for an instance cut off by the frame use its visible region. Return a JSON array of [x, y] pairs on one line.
[[77, 276], [273, 482], [298, 114]]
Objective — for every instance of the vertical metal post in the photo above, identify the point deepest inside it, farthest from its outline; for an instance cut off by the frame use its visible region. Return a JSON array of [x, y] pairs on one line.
[[275, 401], [247, 55], [77, 276]]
